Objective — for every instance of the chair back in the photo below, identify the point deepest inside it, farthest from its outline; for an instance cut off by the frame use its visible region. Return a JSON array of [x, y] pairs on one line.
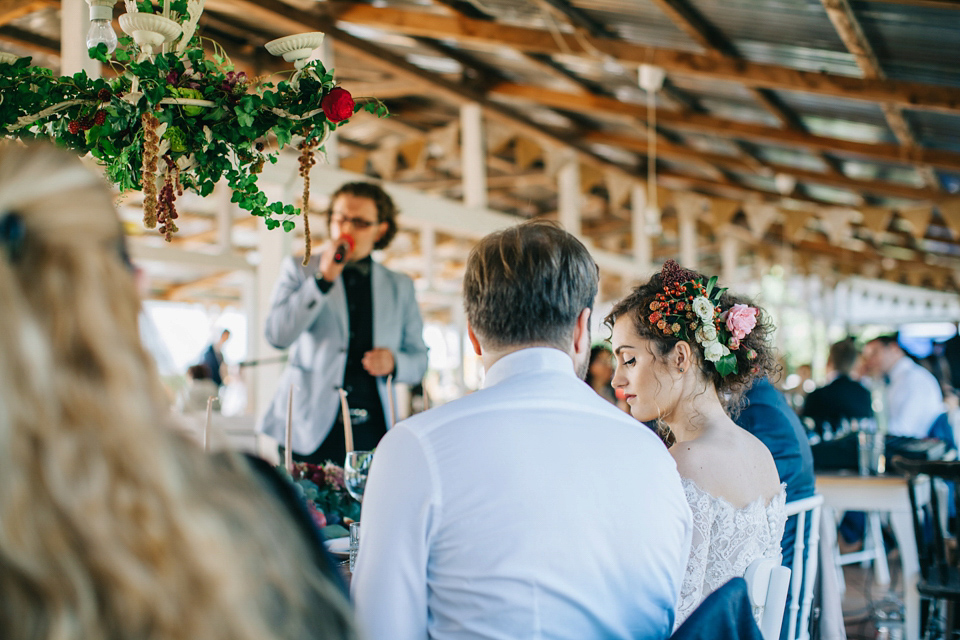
[[931, 543], [767, 585], [804, 569]]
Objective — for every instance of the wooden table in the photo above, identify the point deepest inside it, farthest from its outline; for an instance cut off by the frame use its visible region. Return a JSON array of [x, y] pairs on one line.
[[888, 494]]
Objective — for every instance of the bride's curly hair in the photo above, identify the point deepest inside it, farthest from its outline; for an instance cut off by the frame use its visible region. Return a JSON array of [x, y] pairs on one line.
[[111, 525], [755, 356]]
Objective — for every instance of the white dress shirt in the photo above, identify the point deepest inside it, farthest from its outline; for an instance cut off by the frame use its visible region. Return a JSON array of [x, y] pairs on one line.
[[530, 509], [913, 399]]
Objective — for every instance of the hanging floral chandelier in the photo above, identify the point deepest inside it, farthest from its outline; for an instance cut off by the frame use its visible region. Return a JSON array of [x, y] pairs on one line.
[[174, 117]]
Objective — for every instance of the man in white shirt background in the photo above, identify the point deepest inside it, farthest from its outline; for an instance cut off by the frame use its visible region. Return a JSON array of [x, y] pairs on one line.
[[532, 508], [912, 397]]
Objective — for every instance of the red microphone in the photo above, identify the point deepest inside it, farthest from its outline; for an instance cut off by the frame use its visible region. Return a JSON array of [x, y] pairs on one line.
[[345, 245]]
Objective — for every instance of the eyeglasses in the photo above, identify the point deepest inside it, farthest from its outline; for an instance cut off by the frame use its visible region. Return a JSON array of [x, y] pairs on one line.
[[357, 223]]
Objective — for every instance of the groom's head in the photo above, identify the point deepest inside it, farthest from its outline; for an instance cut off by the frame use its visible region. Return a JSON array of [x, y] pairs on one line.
[[529, 285]]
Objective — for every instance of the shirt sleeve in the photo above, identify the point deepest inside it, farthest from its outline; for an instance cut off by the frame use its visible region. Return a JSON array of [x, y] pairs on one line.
[[389, 585], [295, 304], [913, 403], [411, 360]]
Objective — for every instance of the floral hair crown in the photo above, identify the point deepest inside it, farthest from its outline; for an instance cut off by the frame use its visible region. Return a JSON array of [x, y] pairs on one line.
[[689, 309]]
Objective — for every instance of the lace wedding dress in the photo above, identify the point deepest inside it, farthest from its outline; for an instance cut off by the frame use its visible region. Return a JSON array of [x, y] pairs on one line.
[[726, 539]]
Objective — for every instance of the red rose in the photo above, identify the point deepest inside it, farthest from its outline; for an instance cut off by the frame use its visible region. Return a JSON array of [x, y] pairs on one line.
[[337, 105]]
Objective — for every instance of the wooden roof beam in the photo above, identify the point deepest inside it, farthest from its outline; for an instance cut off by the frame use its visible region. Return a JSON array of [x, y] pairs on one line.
[[292, 20], [848, 28], [916, 95], [639, 145], [732, 128], [10, 10]]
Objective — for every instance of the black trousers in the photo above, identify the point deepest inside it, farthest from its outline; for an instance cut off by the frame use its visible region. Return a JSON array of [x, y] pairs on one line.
[[366, 436]]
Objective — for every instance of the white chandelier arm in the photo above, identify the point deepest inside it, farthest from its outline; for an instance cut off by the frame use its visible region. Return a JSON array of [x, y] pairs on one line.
[[26, 121]]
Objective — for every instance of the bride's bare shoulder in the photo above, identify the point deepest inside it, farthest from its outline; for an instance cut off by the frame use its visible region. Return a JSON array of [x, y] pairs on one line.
[[736, 468]]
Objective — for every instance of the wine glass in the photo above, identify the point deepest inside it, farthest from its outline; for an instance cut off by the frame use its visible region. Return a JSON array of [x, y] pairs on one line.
[[355, 469]]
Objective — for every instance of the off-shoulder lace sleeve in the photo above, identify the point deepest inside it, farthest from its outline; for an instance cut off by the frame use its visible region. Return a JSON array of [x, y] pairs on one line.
[[702, 507], [726, 539]]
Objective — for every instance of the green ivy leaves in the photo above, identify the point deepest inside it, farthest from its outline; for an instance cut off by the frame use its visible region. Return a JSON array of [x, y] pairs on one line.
[[246, 126]]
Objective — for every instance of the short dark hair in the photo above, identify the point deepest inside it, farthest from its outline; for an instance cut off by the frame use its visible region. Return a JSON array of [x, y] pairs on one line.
[[386, 209], [843, 355], [528, 284], [888, 339]]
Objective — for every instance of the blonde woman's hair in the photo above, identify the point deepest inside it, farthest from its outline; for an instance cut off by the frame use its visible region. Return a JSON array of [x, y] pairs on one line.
[[111, 525]]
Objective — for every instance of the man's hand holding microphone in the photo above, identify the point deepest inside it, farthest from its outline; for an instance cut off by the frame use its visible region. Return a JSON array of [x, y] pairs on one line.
[[378, 361], [334, 258]]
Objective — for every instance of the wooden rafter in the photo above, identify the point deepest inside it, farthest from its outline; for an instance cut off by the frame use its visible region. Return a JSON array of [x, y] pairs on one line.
[[732, 128], [685, 153], [915, 95], [702, 32], [851, 33], [10, 10]]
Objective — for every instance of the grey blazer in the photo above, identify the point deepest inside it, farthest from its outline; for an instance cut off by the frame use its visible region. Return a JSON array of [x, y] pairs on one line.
[[314, 326]]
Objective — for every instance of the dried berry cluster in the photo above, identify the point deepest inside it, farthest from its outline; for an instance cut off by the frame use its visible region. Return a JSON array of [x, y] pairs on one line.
[[307, 160], [83, 123], [166, 207], [151, 152]]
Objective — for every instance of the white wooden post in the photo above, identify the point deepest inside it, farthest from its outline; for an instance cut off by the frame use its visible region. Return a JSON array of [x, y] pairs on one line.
[[568, 194], [74, 24], [687, 215], [640, 230], [473, 156], [332, 144], [729, 255]]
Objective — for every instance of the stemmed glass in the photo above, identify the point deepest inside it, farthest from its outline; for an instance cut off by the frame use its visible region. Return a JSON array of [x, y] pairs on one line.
[[355, 469]]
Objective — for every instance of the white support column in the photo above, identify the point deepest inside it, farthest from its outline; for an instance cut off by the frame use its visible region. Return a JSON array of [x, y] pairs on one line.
[[273, 246], [428, 249], [225, 214], [74, 24], [687, 217], [473, 156], [568, 194], [332, 144], [729, 256], [640, 230]]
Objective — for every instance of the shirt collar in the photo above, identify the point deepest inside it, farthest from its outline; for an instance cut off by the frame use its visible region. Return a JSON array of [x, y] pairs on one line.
[[528, 360], [361, 266]]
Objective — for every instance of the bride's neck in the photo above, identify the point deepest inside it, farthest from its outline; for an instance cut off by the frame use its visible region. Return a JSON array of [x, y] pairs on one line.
[[697, 413]]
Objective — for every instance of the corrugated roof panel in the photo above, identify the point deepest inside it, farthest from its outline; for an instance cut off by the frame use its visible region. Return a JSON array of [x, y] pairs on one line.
[[757, 30], [936, 130], [839, 117], [637, 21], [915, 43]]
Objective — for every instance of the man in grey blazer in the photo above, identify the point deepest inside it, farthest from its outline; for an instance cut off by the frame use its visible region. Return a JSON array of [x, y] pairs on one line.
[[349, 323]]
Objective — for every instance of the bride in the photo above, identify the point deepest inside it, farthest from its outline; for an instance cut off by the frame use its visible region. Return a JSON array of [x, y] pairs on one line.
[[685, 351]]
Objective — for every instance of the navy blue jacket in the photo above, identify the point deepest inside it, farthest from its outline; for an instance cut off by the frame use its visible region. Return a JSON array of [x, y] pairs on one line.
[[768, 416]]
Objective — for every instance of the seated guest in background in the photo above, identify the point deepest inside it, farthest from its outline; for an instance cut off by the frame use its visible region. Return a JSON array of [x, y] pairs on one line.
[[194, 395], [843, 399], [111, 525], [213, 358], [684, 349], [532, 508], [600, 372], [912, 399]]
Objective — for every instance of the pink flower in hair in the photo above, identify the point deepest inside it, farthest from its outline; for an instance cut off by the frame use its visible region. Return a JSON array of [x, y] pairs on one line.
[[741, 319]]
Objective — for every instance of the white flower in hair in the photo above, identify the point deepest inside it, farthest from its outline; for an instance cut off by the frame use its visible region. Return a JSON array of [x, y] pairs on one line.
[[706, 333], [703, 308], [713, 351]]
